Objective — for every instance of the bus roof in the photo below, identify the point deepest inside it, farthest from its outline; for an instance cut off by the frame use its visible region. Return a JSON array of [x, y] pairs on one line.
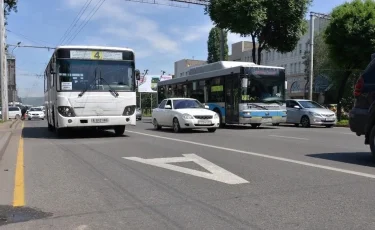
[[94, 47], [214, 70]]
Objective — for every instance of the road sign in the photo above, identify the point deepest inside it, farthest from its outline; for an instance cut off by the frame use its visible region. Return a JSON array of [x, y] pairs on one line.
[[216, 173]]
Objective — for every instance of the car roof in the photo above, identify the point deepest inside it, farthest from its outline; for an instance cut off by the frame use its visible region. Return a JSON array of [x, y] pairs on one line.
[[180, 98], [297, 100]]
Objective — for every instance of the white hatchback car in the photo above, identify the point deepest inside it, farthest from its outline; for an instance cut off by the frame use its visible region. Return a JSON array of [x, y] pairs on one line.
[[184, 113], [14, 112]]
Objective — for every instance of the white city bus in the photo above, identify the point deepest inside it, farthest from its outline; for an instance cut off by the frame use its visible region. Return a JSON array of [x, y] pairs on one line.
[[90, 86]]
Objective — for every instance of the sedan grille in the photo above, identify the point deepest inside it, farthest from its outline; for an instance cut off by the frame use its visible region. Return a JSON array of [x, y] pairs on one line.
[[203, 117], [328, 115]]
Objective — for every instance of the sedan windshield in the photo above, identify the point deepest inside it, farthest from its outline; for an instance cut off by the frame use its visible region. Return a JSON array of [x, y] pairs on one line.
[[310, 104], [35, 109], [186, 104]]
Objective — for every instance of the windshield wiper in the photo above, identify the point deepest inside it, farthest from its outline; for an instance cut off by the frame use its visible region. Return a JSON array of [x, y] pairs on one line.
[[110, 88], [87, 87], [259, 106]]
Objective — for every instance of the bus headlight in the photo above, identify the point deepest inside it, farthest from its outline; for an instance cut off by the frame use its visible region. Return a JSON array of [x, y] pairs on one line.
[[187, 116], [66, 111], [129, 110]]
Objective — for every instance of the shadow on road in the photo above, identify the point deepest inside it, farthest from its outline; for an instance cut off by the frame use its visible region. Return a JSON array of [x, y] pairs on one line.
[[43, 133], [358, 158]]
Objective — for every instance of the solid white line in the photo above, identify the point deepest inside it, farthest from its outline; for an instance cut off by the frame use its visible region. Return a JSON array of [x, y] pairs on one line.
[[298, 138], [367, 175]]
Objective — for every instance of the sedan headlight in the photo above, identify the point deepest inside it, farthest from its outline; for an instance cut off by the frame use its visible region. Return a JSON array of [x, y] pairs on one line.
[[315, 114], [216, 116], [187, 116]]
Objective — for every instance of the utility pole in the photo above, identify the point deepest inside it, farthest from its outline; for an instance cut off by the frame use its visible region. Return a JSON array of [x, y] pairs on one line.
[[313, 15], [3, 63], [311, 72], [222, 45]]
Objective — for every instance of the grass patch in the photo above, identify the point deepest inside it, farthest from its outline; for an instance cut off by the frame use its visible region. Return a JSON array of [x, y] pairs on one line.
[[343, 123]]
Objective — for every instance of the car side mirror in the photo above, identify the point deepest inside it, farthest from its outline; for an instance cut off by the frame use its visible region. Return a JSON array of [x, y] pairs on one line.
[[206, 107], [167, 107], [296, 107], [137, 75]]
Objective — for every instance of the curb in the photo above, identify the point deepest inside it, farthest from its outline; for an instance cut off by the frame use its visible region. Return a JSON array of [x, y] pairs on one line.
[[4, 141], [13, 122]]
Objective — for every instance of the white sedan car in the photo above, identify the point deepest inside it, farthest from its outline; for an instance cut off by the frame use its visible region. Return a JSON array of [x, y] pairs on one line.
[[35, 112], [184, 113]]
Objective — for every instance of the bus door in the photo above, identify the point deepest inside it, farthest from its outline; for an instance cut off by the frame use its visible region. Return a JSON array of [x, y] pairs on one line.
[[232, 88]]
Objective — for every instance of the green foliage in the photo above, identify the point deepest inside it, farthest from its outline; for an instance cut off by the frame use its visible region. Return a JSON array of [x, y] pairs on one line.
[[350, 35], [9, 6], [350, 40], [276, 24], [213, 45]]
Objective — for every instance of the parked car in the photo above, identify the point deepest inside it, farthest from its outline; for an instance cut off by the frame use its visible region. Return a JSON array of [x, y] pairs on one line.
[[184, 113], [307, 113], [14, 112], [362, 115], [138, 114], [35, 113]]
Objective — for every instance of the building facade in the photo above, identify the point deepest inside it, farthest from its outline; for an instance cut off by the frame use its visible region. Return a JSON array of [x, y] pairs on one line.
[[292, 61], [181, 67]]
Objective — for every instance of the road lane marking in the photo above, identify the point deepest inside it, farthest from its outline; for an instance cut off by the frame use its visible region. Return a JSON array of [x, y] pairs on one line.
[[367, 175], [19, 183], [297, 138], [217, 173]]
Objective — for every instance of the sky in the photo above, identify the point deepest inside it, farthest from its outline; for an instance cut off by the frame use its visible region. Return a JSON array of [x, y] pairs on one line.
[[158, 34]]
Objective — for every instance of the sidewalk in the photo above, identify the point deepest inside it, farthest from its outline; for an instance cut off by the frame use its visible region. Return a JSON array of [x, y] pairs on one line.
[[6, 129]]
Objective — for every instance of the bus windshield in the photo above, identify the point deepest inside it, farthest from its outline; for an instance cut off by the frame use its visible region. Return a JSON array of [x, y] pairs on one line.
[[77, 75], [263, 89]]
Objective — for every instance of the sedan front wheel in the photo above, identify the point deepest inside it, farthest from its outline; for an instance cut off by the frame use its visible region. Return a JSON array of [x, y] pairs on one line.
[[176, 125]]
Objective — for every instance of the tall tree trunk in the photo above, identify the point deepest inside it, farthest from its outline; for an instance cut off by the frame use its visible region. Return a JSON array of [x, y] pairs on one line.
[[254, 47], [341, 93], [260, 49]]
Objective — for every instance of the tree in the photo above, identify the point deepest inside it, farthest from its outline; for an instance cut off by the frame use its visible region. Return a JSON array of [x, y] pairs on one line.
[[213, 45], [274, 24], [9, 6], [350, 40]]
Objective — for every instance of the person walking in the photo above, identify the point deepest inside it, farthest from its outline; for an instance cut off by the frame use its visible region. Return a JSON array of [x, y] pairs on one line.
[[23, 112]]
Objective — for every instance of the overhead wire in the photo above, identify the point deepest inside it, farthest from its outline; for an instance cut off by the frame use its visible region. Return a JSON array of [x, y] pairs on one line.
[[89, 16], [74, 22]]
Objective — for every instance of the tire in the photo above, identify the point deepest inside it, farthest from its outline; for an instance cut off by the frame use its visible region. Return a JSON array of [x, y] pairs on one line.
[[156, 125], [328, 126], [211, 130], [220, 118], [176, 125], [372, 141], [50, 127], [254, 126], [296, 125], [119, 130], [275, 124], [29, 119], [305, 122]]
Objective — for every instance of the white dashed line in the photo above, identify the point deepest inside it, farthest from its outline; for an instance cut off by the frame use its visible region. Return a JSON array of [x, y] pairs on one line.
[[297, 138]]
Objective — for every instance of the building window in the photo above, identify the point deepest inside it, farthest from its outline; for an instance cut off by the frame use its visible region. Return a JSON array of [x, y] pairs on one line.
[[300, 49]]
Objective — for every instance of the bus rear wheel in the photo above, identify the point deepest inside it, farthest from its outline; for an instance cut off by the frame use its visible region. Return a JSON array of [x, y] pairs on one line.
[[119, 130]]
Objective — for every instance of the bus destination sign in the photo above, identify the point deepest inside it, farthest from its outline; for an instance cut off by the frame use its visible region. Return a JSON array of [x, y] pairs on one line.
[[264, 71], [95, 55]]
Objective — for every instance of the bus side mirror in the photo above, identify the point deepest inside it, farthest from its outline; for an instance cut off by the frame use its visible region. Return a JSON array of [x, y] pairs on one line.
[[137, 75]]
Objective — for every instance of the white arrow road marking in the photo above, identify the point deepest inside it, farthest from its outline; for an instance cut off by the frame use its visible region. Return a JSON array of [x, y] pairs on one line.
[[217, 173]]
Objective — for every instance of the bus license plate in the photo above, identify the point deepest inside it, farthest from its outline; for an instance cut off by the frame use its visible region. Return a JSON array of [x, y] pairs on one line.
[[204, 122], [267, 120], [99, 120]]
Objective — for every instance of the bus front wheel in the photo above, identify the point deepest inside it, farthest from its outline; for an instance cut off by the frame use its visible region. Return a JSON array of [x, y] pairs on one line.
[[119, 130]]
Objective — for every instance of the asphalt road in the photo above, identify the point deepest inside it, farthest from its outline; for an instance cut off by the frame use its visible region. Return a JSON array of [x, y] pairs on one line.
[[236, 178]]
